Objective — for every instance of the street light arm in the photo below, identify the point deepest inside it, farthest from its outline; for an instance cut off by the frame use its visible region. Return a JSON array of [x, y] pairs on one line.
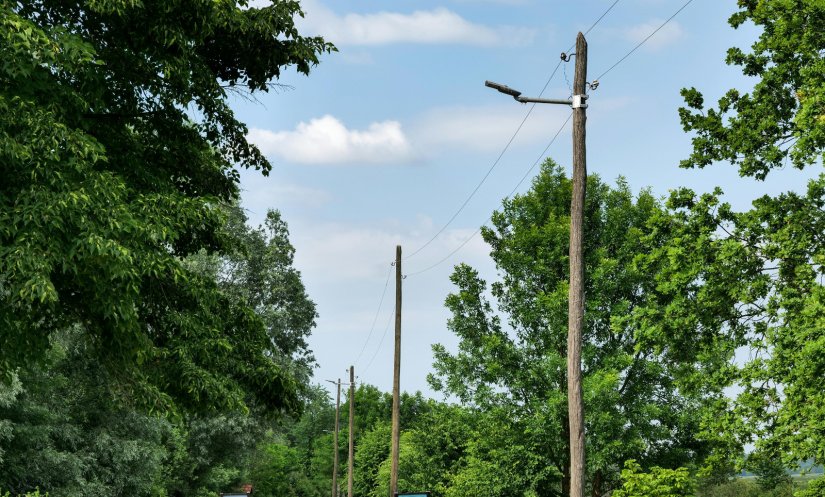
[[526, 100], [517, 95]]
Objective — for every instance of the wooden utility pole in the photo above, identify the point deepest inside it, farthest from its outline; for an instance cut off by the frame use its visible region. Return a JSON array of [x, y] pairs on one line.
[[396, 373], [575, 319], [335, 443], [351, 429]]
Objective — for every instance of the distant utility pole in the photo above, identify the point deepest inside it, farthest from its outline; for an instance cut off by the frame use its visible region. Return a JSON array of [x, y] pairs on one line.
[[575, 316], [396, 373], [335, 441], [351, 429]]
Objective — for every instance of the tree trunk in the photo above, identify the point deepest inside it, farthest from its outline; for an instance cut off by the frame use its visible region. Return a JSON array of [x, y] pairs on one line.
[[576, 299]]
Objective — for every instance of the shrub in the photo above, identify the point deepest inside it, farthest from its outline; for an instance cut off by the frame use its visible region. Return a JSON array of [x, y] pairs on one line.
[[658, 482]]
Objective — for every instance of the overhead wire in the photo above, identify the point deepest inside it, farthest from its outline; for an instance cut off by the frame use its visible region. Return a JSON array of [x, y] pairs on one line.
[[490, 170], [597, 21], [509, 142], [628, 54], [380, 342], [377, 312], [618, 62], [524, 177], [475, 190]]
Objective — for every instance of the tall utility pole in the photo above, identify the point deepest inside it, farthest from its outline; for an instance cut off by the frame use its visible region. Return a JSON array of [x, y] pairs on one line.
[[396, 373], [351, 429], [335, 443], [575, 317]]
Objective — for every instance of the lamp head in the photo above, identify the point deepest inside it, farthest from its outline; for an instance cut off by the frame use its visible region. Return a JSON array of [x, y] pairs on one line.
[[503, 89]]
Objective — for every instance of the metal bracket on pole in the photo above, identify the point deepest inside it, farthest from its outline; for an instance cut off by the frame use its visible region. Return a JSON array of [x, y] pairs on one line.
[[579, 101]]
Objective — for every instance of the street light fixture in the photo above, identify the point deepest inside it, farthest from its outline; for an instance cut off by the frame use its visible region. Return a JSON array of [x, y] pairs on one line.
[[503, 89]]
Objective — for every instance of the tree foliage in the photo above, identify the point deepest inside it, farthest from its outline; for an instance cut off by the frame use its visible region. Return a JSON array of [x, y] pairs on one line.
[[258, 273], [783, 117], [515, 369], [66, 426], [66, 436], [117, 144], [762, 267]]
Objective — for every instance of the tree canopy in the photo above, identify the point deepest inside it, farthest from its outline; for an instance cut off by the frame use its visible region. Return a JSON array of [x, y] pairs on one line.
[[763, 267], [117, 147], [511, 357]]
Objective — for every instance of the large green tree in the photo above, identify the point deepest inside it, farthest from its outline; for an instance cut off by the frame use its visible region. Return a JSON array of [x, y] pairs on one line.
[[511, 353], [763, 268], [117, 145]]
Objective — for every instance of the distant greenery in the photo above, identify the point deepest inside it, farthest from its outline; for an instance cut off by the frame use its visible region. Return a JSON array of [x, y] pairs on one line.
[[656, 482], [799, 486]]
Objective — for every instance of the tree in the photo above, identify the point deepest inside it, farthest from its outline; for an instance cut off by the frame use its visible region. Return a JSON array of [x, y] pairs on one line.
[[765, 264], [517, 372], [117, 144], [431, 452], [259, 274], [278, 472]]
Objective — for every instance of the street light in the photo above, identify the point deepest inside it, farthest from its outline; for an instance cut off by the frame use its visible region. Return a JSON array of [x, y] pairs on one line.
[[576, 101]]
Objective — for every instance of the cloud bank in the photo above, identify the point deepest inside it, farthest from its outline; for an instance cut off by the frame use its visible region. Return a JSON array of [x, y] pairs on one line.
[[437, 26]]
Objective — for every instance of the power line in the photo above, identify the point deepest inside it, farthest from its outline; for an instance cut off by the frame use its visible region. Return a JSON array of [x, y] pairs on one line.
[[628, 54], [507, 146], [377, 349], [524, 177], [472, 194], [377, 312], [490, 170], [595, 23]]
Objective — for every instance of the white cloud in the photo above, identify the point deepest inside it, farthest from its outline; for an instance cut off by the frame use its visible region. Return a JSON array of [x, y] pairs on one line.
[[327, 141], [669, 34], [439, 25]]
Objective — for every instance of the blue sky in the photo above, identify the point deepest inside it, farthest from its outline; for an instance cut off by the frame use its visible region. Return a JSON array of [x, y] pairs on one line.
[[386, 139]]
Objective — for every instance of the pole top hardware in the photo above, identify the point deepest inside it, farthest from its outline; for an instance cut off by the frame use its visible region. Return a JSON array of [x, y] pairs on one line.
[[579, 101]]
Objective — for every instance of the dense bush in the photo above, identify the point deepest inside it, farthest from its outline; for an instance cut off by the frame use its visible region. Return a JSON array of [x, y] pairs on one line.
[[657, 482]]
